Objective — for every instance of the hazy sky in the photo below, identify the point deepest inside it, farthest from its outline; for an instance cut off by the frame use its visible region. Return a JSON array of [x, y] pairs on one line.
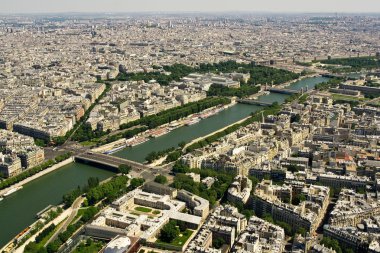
[[12, 6]]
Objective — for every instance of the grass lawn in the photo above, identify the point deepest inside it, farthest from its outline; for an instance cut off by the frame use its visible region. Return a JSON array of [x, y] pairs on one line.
[[180, 240], [143, 209], [376, 104], [89, 248], [156, 212], [344, 97], [88, 143]]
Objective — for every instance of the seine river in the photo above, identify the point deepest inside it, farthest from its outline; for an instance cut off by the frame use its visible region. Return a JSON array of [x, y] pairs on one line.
[[209, 125], [19, 209]]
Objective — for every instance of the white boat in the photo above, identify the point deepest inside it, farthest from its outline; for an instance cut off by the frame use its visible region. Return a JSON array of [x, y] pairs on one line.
[[136, 141], [193, 121], [12, 191], [114, 150]]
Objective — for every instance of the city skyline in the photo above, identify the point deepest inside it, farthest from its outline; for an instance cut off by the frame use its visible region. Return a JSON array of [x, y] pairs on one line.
[[189, 126], [275, 6]]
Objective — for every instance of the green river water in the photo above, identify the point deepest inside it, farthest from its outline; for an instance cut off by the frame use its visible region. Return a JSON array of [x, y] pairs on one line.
[[19, 209]]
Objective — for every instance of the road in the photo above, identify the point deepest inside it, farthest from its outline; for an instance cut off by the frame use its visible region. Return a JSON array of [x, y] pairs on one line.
[[74, 211]]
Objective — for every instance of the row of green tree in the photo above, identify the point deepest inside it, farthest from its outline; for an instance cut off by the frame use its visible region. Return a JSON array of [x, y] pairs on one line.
[[259, 74], [37, 247], [352, 103], [96, 192], [30, 172], [125, 134], [173, 154], [179, 112], [177, 71], [356, 63], [85, 133], [332, 83], [287, 228], [79, 125], [244, 90], [161, 118], [334, 244], [88, 214], [154, 155], [113, 189]]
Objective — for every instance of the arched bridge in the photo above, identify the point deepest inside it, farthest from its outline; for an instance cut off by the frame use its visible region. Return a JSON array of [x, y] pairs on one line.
[[285, 91], [253, 102]]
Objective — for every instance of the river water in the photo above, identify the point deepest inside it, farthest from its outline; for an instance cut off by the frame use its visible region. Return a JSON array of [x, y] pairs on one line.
[[209, 125], [19, 209]]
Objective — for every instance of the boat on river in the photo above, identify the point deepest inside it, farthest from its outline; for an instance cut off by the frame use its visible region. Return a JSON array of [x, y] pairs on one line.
[[114, 150], [136, 141], [193, 121], [13, 190]]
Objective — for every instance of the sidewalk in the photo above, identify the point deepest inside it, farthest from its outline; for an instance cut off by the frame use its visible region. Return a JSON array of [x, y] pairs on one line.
[[56, 221]]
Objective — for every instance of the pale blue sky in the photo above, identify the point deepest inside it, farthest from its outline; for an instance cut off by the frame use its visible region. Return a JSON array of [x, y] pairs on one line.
[[12, 6]]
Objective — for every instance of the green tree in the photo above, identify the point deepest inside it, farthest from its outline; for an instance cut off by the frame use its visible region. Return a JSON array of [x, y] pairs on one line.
[[136, 182], [89, 213], [69, 198], [182, 226], [124, 169], [292, 168], [169, 232], [173, 156], [53, 246], [295, 118], [301, 231], [331, 243], [297, 199], [93, 182], [218, 242], [268, 217], [182, 144], [247, 213], [160, 179], [32, 247]]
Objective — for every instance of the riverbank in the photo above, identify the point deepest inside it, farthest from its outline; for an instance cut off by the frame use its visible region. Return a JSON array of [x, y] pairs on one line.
[[160, 161], [162, 130], [287, 84], [19, 209], [20, 249], [210, 134], [37, 175]]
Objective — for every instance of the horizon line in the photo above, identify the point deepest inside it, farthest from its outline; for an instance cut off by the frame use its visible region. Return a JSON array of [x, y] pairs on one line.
[[187, 12]]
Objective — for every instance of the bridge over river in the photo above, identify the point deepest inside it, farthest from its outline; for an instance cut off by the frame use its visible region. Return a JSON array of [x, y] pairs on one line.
[[253, 102], [108, 161], [285, 91]]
